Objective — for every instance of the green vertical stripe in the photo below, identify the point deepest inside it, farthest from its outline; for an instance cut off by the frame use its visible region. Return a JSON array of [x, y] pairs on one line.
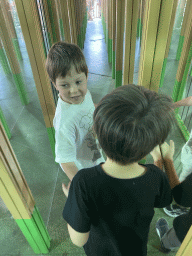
[[182, 127], [190, 73], [4, 62], [79, 41], [4, 123], [41, 226], [113, 64], [118, 78], [141, 33], [180, 47], [110, 48], [17, 48], [139, 27], [23, 225], [183, 82], [20, 85], [61, 29], [35, 232], [163, 72], [176, 90], [51, 136], [107, 40], [49, 37], [52, 21], [81, 36], [44, 49]]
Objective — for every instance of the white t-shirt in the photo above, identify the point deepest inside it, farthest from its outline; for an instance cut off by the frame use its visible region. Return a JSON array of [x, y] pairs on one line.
[[75, 141], [186, 159]]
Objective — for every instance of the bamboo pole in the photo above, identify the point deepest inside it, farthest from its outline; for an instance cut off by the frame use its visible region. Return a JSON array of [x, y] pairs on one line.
[[131, 19], [113, 37], [185, 61], [11, 55], [184, 23], [120, 14], [168, 42], [28, 14], [18, 198], [149, 34], [10, 25], [161, 43], [3, 60]]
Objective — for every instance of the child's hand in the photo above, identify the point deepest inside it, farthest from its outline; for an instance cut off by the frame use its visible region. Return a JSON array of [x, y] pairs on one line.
[[184, 102], [156, 154], [167, 151], [188, 101]]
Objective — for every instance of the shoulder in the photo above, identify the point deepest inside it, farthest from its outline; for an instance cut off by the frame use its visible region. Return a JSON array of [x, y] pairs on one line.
[[153, 168], [156, 172], [86, 175]]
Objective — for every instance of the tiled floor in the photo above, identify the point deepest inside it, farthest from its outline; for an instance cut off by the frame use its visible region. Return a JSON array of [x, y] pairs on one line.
[[31, 145]]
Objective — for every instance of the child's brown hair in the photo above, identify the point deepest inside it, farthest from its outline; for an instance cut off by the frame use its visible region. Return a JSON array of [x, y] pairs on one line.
[[61, 57], [130, 121]]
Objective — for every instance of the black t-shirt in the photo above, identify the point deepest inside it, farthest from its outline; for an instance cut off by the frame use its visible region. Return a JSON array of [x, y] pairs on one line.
[[117, 212], [183, 196]]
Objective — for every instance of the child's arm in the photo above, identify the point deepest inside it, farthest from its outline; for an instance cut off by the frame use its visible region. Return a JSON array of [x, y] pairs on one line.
[[78, 238], [168, 152], [184, 102], [70, 169]]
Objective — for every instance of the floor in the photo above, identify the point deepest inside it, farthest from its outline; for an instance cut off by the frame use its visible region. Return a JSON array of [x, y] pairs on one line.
[[31, 145]]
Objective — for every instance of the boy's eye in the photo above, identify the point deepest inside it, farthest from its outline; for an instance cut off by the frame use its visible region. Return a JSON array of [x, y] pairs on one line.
[[78, 82], [65, 85]]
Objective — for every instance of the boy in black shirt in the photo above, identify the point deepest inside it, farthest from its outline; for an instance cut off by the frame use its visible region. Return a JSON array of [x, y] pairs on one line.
[[110, 206]]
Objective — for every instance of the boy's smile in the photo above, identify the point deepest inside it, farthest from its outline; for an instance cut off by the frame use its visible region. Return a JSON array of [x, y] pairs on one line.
[[73, 87]]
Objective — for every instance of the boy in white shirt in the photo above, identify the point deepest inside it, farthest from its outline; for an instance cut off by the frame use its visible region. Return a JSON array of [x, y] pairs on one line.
[[76, 146]]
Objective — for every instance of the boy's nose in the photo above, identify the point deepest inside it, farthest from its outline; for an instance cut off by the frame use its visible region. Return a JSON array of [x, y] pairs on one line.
[[73, 89]]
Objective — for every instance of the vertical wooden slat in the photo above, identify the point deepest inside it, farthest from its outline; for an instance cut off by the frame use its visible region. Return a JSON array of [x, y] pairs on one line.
[[60, 21], [5, 35], [11, 27], [114, 37], [149, 33], [71, 9], [62, 4], [131, 12], [185, 60], [161, 43], [168, 41], [110, 31], [3, 60], [54, 20], [184, 23], [18, 198], [120, 14], [28, 15]]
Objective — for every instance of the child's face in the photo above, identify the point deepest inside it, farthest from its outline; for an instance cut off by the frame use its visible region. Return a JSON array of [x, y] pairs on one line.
[[73, 87]]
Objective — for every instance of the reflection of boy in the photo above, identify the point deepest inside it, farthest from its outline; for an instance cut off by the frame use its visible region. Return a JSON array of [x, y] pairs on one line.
[[186, 159], [110, 206], [175, 210], [73, 119], [173, 237]]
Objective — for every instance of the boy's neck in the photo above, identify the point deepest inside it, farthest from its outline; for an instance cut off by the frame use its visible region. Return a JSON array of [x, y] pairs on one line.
[[123, 171]]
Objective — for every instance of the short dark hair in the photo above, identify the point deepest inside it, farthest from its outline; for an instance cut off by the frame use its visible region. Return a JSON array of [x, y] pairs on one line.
[[61, 57], [130, 121]]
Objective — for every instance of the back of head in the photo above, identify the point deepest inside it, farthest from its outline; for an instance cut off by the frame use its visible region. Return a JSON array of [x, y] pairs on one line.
[[61, 57], [131, 121]]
